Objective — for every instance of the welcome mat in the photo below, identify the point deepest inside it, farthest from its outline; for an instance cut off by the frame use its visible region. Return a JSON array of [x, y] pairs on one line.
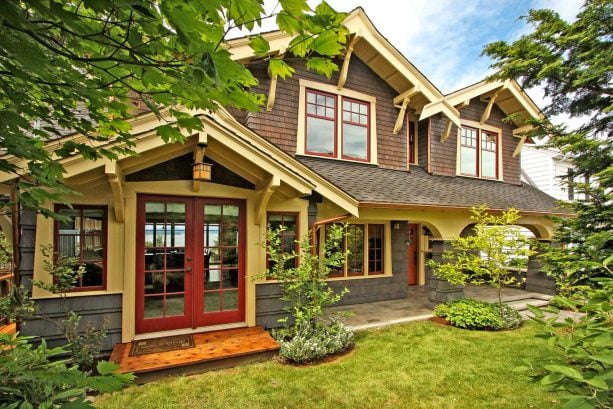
[[165, 344]]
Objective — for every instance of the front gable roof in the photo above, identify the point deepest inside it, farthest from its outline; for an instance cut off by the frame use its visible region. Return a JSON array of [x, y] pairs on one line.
[[378, 53], [508, 96]]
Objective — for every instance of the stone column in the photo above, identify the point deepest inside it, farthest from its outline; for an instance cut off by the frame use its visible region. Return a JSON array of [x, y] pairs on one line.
[[537, 281], [441, 290]]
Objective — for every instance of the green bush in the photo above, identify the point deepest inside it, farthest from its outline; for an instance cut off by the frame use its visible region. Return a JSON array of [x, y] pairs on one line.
[[315, 341], [36, 377], [475, 314], [583, 366]]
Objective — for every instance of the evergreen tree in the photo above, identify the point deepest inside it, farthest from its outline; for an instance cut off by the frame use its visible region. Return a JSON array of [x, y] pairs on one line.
[[573, 62]]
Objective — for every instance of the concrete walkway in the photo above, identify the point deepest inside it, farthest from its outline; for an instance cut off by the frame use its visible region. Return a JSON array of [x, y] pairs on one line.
[[415, 306]]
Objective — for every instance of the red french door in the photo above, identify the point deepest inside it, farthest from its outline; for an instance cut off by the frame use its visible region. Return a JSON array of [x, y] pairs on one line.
[[190, 262]]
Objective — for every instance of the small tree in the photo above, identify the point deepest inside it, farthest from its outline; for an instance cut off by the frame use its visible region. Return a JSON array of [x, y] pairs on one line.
[[302, 277], [85, 346], [491, 255], [304, 284]]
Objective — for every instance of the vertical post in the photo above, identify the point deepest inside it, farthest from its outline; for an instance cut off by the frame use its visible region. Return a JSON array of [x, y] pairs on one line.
[[441, 290], [537, 281]]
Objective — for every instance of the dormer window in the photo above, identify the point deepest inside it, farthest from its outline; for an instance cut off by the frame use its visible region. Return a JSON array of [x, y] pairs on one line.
[[479, 153], [336, 123]]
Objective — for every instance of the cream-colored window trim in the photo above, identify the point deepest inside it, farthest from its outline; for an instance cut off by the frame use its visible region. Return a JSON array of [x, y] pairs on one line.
[[484, 127], [344, 92]]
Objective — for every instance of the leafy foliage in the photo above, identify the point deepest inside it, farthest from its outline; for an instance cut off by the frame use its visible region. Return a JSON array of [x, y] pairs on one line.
[[476, 314], [304, 287], [82, 67], [572, 61], [585, 368], [306, 292], [37, 378], [489, 255], [16, 306], [85, 344]]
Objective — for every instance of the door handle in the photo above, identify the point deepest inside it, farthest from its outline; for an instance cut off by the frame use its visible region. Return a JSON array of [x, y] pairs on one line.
[[188, 269]]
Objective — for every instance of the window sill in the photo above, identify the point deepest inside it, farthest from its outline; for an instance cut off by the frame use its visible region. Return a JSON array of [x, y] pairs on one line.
[[361, 162], [479, 178], [78, 294], [364, 277]]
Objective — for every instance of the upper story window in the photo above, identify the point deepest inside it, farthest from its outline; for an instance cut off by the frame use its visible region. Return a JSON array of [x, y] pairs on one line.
[[336, 123], [83, 237], [479, 153]]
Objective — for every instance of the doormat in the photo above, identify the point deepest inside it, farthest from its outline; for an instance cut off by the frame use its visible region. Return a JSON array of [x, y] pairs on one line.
[[165, 344]]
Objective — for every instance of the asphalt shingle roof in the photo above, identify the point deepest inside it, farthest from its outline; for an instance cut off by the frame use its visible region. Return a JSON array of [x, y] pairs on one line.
[[368, 183]]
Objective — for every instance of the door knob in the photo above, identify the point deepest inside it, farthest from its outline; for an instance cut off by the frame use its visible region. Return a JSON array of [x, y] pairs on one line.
[[188, 269]]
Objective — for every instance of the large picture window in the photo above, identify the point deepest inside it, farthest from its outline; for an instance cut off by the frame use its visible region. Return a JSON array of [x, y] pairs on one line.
[[83, 237], [329, 115], [365, 247], [478, 153]]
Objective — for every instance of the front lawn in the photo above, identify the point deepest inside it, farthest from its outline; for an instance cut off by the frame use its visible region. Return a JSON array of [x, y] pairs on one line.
[[418, 365]]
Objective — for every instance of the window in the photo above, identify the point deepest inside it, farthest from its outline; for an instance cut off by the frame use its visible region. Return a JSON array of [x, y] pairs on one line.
[[411, 143], [84, 238], [320, 124], [364, 244], [337, 126], [478, 153], [288, 236], [355, 129]]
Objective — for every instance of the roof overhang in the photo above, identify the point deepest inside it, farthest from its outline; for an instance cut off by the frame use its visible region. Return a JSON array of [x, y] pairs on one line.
[[509, 97], [228, 141]]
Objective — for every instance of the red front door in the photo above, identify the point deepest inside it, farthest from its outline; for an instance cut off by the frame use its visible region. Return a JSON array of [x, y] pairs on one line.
[[412, 253], [190, 262]]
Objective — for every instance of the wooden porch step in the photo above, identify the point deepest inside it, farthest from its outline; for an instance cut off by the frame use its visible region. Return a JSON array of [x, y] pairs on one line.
[[212, 350], [10, 329]]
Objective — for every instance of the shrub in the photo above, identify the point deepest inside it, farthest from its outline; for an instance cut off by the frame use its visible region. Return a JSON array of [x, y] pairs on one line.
[[583, 366], [36, 378], [315, 341], [475, 314]]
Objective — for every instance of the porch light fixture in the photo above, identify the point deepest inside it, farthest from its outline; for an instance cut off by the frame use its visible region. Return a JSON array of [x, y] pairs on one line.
[[202, 171]]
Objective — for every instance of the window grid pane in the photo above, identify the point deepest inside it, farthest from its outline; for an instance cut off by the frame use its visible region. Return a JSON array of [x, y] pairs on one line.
[[355, 129], [287, 237], [355, 247], [375, 249], [83, 238]]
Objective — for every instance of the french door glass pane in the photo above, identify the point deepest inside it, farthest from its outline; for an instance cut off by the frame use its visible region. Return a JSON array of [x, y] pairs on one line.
[[230, 300], [211, 301], [154, 306]]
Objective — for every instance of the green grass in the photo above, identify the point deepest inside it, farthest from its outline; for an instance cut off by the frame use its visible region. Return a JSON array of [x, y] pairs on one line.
[[418, 365]]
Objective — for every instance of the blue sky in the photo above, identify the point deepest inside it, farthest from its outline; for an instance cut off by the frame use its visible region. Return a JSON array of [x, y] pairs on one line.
[[444, 38]]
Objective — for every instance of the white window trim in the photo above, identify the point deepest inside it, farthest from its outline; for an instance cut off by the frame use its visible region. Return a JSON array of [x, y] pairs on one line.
[[344, 92], [484, 127]]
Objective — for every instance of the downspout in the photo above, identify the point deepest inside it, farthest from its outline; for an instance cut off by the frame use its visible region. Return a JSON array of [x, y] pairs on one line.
[[315, 226]]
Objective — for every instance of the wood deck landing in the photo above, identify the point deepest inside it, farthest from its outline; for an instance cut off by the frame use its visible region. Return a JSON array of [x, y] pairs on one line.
[[10, 329], [213, 350]]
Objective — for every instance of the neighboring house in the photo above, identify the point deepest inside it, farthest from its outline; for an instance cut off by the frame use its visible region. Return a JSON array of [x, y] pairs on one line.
[[548, 170], [376, 146]]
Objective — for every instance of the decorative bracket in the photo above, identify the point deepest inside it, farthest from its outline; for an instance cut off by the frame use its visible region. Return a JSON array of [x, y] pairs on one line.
[[522, 134], [265, 193], [447, 131], [115, 178], [345, 68], [272, 93], [406, 97], [488, 108]]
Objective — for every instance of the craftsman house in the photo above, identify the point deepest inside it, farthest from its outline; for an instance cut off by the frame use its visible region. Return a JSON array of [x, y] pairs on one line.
[[171, 247]]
